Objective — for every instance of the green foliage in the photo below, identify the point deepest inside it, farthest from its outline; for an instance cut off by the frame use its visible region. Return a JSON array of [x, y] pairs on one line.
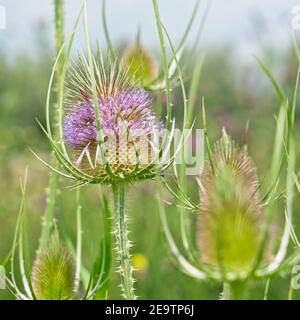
[[234, 94]]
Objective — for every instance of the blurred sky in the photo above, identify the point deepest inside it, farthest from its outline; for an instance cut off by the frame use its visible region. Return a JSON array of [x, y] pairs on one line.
[[232, 21]]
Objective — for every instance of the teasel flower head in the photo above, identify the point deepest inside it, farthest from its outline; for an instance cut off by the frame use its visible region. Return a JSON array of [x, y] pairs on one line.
[[141, 64], [112, 136], [231, 214], [53, 273]]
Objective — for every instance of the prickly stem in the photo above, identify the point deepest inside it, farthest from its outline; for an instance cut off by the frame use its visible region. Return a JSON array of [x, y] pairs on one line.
[[122, 242], [233, 291], [52, 190]]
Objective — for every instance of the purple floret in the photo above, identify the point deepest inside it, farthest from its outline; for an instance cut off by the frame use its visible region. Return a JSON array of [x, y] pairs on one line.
[[132, 107], [80, 126]]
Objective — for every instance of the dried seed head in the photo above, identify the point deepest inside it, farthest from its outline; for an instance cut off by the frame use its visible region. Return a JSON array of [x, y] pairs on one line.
[[141, 63], [231, 216], [53, 273]]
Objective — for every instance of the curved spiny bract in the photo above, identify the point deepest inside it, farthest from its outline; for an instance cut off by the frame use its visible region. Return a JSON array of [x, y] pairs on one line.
[[231, 214]]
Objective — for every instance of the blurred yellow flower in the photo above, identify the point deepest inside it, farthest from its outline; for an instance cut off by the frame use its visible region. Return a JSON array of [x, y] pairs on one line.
[[141, 264]]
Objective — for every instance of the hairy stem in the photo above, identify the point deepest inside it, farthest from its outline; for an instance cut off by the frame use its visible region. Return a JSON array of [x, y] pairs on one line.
[[59, 33], [52, 190], [47, 221], [233, 291], [122, 242]]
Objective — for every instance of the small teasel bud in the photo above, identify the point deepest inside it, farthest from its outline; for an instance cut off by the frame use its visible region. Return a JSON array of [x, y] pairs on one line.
[[53, 274], [141, 63], [231, 215]]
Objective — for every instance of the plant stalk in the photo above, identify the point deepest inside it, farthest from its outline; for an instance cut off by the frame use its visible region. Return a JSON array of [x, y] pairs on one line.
[[123, 243], [233, 291], [165, 62], [52, 190], [59, 34]]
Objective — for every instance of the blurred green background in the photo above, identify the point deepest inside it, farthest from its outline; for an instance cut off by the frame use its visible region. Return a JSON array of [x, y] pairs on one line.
[[236, 91]]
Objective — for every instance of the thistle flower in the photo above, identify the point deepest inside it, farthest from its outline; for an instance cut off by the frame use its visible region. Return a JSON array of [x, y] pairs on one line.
[[112, 135], [53, 273], [127, 120], [141, 63], [108, 132], [231, 214]]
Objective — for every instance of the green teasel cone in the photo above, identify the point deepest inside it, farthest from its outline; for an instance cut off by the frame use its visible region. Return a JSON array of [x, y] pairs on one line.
[[231, 214], [53, 273], [141, 64]]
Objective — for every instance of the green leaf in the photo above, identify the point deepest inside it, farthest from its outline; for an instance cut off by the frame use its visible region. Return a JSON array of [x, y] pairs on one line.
[[165, 62], [277, 158]]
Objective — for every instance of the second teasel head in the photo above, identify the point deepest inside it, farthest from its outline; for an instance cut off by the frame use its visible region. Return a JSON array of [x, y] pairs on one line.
[[231, 218], [141, 64]]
